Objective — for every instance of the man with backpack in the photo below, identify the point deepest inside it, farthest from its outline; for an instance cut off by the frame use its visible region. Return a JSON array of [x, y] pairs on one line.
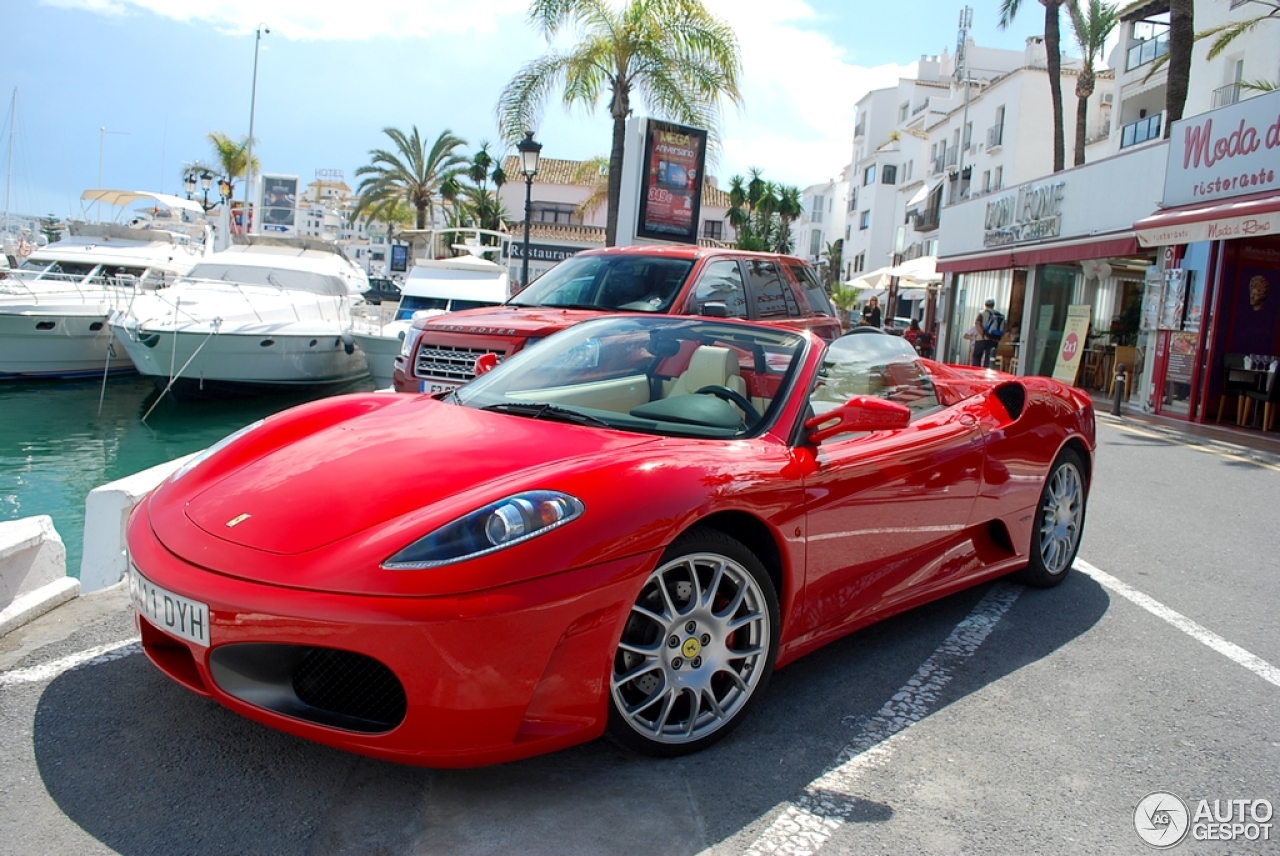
[[990, 324]]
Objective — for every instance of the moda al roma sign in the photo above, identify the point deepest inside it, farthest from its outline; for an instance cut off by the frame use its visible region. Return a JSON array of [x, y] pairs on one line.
[[1229, 152]]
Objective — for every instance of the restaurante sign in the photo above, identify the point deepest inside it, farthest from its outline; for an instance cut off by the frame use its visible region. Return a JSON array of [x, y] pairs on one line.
[[1032, 214], [1224, 153]]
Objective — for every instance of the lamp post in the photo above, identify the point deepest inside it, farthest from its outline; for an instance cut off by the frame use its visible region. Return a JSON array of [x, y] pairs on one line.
[[253, 98], [206, 182], [529, 152]]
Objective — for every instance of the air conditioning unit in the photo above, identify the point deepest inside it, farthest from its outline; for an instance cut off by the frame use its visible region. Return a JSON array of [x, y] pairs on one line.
[[1108, 97]]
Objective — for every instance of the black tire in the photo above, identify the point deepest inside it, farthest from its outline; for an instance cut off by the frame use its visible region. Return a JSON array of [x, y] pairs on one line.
[[1059, 523], [675, 699]]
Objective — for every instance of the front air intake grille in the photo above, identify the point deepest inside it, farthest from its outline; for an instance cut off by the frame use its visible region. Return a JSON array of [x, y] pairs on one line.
[[448, 362], [349, 684], [338, 689]]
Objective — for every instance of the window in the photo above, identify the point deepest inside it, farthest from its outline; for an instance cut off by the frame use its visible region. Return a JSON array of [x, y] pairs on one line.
[[859, 262], [848, 231], [815, 243], [722, 281], [853, 199], [816, 212], [869, 177], [904, 111], [883, 366], [713, 229], [968, 135], [551, 212], [865, 222], [986, 181], [807, 278], [908, 170], [999, 182], [889, 175], [773, 297]]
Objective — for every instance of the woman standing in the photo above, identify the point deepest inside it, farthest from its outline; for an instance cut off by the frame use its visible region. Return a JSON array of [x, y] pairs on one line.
[[871, 313]]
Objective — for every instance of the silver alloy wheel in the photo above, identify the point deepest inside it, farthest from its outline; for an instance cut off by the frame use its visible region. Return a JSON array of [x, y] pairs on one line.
[[694, 649], [1061, 517]]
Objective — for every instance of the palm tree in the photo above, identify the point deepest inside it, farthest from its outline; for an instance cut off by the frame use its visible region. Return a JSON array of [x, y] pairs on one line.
[[845, 297], [674, 54], [411, 173], [1092, 30], [593, 171], [833, 255], [1182, 34], [789, 208], [1223, 36], [232, 157], [1053, 50]]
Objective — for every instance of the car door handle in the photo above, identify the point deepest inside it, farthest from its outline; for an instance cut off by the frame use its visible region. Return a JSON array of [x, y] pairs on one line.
[[968, 420]]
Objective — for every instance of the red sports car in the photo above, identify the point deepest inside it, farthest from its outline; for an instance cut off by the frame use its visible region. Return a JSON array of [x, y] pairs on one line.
[[623, 528]]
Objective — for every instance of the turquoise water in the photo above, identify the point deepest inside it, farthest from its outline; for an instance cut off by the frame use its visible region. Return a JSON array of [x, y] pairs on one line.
[[56, 445]]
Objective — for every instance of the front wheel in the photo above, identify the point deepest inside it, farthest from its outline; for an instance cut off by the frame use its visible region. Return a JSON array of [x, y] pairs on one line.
[[697, 649], [1055, 538]]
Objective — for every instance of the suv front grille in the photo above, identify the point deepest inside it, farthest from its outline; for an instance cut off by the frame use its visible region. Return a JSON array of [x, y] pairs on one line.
[[448, 362]]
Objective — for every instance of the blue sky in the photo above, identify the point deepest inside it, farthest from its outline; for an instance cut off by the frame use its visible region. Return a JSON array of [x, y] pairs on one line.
[[159, 75]]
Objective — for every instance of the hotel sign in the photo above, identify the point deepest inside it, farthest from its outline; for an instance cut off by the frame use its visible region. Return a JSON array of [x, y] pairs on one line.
[[1233, 151], [1034, 213]]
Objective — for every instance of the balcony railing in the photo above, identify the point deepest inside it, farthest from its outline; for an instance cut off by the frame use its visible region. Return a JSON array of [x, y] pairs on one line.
[[1141, 131], [923, 105], [953, 155], [1147, 51], [995, 136], [1225, 96]]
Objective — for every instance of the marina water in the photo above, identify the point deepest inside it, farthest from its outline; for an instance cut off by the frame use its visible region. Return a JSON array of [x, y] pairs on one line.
[[57, 442]]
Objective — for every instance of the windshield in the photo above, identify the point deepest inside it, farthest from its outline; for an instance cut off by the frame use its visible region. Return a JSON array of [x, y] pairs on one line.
[[663, 375], [609, 282], [299, 280], [876, 364]]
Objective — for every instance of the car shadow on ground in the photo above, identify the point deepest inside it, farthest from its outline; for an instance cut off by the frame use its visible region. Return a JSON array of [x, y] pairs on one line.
[[144, 766]]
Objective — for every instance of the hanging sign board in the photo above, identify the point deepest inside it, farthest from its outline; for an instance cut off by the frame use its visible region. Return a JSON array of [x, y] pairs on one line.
[[279, 205], [671, 190], [1070, 353]]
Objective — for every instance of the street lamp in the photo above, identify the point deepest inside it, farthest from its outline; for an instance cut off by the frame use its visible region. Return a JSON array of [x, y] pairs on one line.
[[206, 182], [529, 151]]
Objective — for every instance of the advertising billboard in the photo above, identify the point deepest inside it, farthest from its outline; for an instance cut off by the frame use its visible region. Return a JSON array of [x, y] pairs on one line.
[[399, 258], [671, 194], [279, 205]]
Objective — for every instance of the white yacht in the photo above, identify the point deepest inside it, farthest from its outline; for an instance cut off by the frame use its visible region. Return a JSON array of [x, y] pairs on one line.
[[433, 287], [265, 313], [54, 306]]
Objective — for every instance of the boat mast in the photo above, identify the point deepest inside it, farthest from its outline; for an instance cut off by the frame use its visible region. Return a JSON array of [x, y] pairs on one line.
[[8, 181]]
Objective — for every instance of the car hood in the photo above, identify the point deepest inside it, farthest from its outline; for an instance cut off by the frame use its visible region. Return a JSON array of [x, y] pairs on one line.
[[509, 320], [381, 466]]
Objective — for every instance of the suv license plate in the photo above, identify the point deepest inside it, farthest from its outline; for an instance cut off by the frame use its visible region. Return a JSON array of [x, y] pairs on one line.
[[436, 386]]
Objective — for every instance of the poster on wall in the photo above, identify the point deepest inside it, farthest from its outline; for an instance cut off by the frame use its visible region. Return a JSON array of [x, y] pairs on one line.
[[1070, 352], [1175, 299], [671, 195], [279, 204]]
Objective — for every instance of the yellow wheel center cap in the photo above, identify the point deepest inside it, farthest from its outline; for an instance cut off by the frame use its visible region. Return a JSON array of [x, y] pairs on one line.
[[690, 648]]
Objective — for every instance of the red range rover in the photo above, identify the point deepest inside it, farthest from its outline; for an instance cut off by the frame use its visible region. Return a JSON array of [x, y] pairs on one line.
[[440, 353]]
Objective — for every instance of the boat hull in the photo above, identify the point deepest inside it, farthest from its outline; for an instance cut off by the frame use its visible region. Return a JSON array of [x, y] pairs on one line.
[[201, 363], [59, 345]]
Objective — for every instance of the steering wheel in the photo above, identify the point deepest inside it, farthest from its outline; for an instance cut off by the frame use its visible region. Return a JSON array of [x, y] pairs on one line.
[[734, 397]]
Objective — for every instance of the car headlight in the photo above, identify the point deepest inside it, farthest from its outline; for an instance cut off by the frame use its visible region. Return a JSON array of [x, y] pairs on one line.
[[494, 527], [221, 444]]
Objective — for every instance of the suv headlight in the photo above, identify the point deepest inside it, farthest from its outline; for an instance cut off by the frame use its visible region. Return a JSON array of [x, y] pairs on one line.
[[496, 526]]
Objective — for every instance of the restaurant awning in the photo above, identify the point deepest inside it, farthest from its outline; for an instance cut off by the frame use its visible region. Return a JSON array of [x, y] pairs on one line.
[[1059, 252], [1242, 217]]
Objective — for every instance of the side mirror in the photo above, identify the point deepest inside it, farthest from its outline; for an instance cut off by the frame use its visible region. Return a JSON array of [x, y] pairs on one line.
[[860, 413], [715, 309]]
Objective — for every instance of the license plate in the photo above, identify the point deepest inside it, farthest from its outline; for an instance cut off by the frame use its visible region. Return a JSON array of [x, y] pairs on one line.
[[183, 617], [425, 386]]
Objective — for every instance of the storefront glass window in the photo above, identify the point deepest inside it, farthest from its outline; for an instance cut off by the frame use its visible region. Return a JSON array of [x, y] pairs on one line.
[[1056, 285]]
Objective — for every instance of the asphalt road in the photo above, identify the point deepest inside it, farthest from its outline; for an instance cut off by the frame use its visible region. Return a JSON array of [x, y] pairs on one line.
[[1002, 720]]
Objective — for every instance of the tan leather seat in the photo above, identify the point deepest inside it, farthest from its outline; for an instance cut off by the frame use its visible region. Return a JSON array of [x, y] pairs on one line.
[[709, 365]]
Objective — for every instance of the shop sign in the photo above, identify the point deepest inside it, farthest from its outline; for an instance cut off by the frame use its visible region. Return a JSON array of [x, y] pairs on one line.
[[1071, 352], [542, 252], [1228, 152], [671, 192], [1034, 213]]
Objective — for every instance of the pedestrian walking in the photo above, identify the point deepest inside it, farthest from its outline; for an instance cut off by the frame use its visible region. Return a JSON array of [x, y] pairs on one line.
[[990, 324]]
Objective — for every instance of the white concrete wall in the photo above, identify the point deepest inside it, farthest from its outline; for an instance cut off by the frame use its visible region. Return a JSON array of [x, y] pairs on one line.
[[106, 512], [33, 571]]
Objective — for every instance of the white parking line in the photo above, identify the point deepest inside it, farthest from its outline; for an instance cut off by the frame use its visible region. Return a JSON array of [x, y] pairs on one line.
[[809, 821], [49, 671], [1230, 650]]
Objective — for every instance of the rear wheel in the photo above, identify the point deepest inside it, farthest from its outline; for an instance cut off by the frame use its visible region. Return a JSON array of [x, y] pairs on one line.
[[697, 649], [1059, 523]]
